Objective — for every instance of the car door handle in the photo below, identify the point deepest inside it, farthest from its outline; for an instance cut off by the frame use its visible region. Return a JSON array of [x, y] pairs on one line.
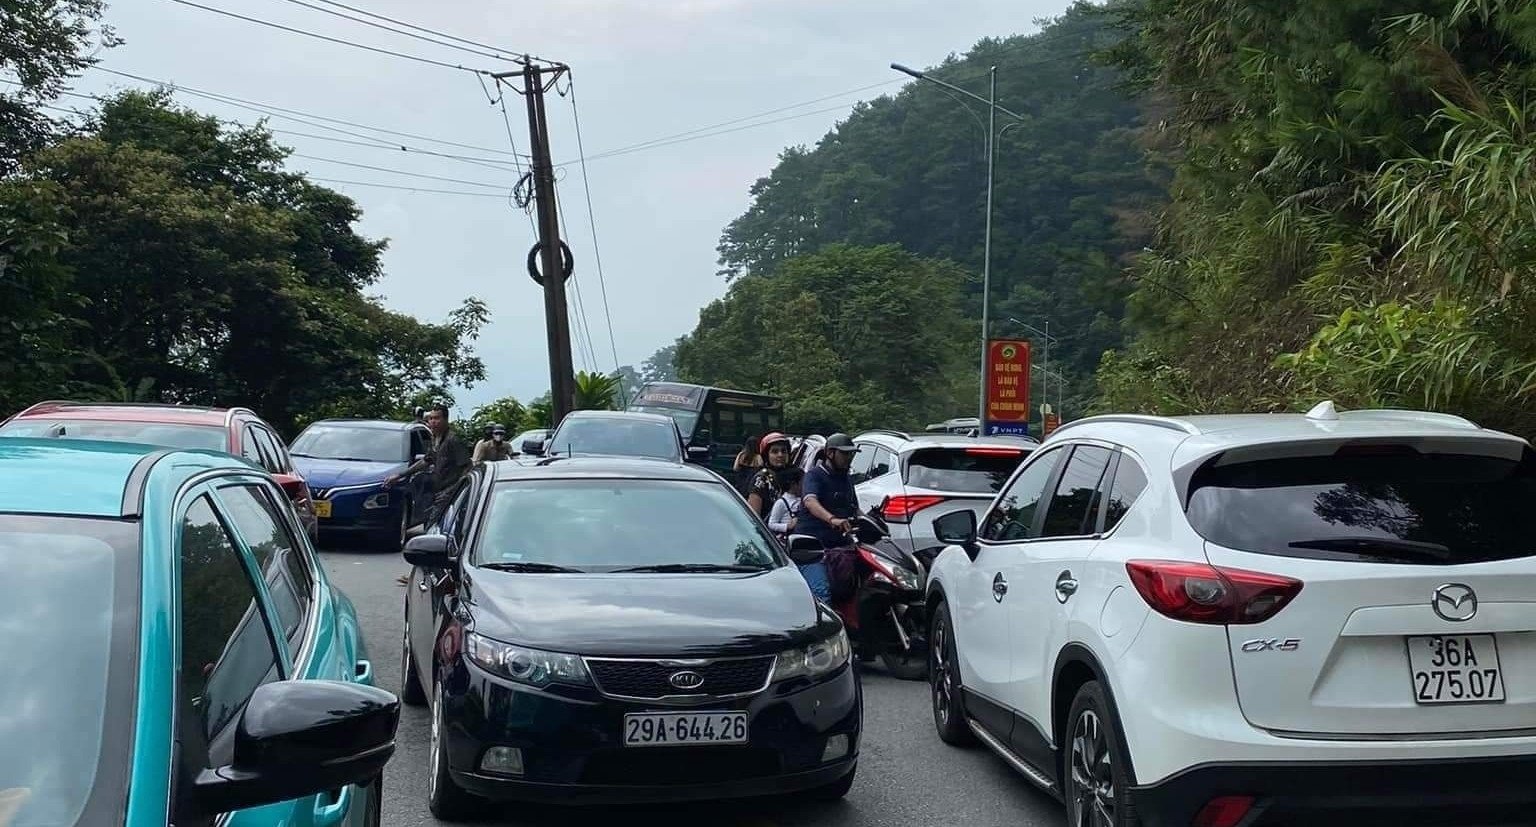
[[999, 587], [1066, 586], [334, 813]]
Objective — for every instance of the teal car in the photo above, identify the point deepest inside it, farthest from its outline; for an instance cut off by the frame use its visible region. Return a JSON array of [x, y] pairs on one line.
[[172, 650]]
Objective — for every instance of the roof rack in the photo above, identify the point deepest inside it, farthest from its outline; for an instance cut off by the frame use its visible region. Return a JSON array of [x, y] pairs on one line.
[[1165, 422], [1409, 416], [887, 432]]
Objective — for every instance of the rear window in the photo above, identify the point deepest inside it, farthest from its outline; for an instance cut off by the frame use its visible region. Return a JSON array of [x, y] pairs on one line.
[[979, 470], [1392, 506], [207, 437]]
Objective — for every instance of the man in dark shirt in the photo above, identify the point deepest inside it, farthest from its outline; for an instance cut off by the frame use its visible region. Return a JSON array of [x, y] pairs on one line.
[[448, 460], [830, 506]]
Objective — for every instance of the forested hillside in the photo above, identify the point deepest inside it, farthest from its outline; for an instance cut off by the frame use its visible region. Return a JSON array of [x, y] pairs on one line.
[[1354, 213], [1073, 200]]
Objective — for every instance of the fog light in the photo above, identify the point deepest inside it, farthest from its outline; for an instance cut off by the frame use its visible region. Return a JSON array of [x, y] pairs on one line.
[[503, 761], [837, 747]]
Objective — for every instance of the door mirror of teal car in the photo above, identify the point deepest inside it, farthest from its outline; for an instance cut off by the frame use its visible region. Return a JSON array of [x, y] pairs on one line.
[[297, 739], [430, 551]]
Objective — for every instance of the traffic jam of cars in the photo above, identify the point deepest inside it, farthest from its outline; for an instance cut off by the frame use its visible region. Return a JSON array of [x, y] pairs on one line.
[[1202, 621]]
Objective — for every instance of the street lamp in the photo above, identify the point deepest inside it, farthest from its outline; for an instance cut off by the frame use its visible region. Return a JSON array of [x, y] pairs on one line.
[[1045, 368], [986, 261]]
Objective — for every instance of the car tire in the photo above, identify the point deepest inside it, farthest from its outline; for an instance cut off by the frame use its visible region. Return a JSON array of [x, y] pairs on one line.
[[445, 798], [837, 790], [1095, 784], [373, 812], [944, 683], [905, 667], [411, 693]]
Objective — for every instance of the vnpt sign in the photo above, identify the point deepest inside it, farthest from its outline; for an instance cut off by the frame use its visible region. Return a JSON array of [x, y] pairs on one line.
[[1007, 386]]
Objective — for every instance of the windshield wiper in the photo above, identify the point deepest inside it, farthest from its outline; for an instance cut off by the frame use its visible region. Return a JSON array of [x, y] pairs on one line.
[[528, 568], [693, 568], [297, 454], [1408, 549]]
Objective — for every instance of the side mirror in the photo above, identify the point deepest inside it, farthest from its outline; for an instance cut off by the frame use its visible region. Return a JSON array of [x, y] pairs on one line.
[[533, 447], [430, 551], [958, 528], [699, 453], [805, 549], [296, 739], [294, 487]]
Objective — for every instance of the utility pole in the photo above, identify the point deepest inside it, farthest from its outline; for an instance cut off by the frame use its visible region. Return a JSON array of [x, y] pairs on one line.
[[537, 80]]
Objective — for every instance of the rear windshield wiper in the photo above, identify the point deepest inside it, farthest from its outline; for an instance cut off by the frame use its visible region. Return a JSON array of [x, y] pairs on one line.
[[693, 568], [528, 568], [1405, 549]]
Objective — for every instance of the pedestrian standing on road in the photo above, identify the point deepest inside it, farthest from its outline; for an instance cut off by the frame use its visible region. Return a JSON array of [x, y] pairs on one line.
[[494, 447], [748, 462], [447, 461], [767, 486]]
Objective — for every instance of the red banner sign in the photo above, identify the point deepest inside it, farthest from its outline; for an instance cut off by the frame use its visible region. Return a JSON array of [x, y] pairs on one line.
[[1008, 381]]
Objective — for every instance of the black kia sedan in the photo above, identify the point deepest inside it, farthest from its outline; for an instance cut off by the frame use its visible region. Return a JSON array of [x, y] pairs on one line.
[[609, 630]]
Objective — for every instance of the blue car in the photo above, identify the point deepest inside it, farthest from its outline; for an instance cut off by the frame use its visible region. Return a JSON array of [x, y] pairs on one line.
[[174, 653], [346, 462]]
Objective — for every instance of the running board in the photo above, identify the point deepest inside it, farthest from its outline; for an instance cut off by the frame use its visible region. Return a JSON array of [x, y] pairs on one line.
[[1022, 767]]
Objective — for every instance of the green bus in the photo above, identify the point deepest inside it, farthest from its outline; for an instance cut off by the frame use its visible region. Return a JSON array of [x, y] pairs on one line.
[[717, 417]]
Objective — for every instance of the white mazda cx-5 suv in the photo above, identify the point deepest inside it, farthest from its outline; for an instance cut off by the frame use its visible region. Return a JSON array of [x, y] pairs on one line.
[[1228, 621]]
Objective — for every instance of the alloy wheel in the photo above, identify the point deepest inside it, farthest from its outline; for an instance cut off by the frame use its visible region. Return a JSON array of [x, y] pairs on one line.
[[943, 675], [1092, 774]]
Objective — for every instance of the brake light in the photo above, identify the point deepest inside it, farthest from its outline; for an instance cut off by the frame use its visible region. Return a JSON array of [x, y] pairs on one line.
[[1227, 811], [1201, 593], [900, 508], [994, 452]]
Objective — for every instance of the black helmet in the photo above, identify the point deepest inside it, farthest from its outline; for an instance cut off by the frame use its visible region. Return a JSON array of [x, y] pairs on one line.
[[496, 427], [841, 442]]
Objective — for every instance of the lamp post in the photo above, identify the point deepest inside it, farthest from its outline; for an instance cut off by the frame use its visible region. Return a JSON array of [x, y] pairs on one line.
[[986, 261], [1045, 367]]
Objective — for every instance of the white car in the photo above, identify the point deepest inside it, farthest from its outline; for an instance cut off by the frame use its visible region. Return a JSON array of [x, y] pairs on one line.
[[1246, 620]]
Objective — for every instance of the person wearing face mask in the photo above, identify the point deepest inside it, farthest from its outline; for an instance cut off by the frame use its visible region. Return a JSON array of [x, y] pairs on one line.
[[494, 447], [767, 485]]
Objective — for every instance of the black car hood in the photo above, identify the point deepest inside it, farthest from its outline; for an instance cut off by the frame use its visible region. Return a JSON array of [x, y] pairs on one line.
[[637, 615]]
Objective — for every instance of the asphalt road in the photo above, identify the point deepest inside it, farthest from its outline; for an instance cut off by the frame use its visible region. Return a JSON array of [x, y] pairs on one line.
[[906, 776]]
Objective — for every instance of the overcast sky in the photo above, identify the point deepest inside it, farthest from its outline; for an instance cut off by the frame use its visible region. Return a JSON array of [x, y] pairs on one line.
[[644, 69]]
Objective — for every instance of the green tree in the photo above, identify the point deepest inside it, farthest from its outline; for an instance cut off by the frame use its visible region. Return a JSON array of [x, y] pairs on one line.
[[196, 268], [506, 411], [833, 332], [1352, 207], [596, 391], [43, 43]]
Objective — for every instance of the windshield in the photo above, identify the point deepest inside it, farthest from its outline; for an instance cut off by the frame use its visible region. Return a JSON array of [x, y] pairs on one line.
[[616, 437], [685, 419], [963, 470], [1397, 506], [171, 435], [607, 525], [68, 635], [340, 442]]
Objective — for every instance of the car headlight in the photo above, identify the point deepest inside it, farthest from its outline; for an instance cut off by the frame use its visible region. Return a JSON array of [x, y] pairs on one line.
[[379, 500], [529, 666], [820, 658]]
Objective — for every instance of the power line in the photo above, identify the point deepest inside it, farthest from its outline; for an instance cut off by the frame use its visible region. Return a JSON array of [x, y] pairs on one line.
[[444, 35], [502, 187], [392, 30], [630, 150], [597, 253], [339, 41], [260, 107]]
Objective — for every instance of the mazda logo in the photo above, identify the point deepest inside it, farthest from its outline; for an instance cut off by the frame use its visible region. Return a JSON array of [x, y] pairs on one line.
[[1454, 602], [686, 680]]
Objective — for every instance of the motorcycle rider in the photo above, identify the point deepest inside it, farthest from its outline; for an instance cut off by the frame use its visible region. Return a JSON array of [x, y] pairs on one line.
[[830, 504], [767, 484], [494, 447]]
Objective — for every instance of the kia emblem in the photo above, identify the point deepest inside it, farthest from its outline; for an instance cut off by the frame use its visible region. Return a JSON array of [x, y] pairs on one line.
[[686, 680]]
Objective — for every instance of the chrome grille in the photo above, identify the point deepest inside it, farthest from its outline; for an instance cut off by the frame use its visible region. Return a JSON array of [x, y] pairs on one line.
[[651, 679]]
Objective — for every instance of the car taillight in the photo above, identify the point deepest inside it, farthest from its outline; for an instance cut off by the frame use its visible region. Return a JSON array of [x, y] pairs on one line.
[[1201, 593], [1227, 811], [899, 508]]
